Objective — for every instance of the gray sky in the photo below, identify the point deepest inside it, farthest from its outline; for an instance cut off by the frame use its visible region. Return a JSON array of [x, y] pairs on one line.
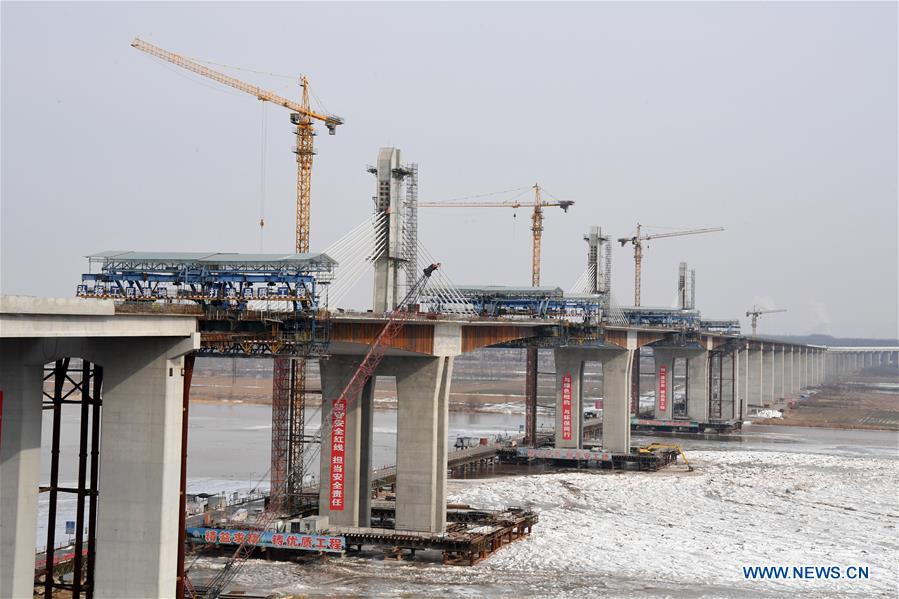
[[777, 121]]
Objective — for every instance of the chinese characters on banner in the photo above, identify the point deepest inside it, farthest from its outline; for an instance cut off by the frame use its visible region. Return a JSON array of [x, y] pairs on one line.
[[338, 449], [663, 387], [566, 406], [269, 539]]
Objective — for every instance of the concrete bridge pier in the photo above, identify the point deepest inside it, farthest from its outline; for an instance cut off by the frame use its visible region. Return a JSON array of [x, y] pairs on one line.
[[140, 440], [617, 366], [756, 376], [422, 385], [768, 376], [694, 362], [803, 368], [742, 385], [779, 373]]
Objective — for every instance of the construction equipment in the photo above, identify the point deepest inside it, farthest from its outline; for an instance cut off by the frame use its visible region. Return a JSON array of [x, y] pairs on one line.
[[289, 389], [654, 446], [395, 322], [638, 239], [756, 312], [537, 236], [536, 220], [301, 116], [373, 356]]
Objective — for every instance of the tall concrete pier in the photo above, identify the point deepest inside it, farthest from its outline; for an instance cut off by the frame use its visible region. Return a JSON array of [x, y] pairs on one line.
[[140, 462]]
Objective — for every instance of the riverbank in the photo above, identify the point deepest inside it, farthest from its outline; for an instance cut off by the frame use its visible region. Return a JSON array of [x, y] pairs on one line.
[[870, 404]]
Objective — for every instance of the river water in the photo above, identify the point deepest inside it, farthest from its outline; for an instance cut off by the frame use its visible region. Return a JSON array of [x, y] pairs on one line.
[[768, 495]]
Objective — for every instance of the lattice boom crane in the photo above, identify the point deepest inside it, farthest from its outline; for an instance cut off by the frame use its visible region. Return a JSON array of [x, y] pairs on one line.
[[302, 117]]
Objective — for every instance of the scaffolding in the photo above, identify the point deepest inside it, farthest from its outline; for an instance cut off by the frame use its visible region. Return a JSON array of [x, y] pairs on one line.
[[80, 384], [410, 226], [288, 432]]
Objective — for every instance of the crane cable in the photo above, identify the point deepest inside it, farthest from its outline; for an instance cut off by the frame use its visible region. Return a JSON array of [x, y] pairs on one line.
[[262, 172]]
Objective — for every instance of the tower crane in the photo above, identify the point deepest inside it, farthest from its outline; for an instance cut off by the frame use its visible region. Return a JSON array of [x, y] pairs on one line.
[[637, 241], [756, 312], [536, 220], [287, 460], [301, 116]]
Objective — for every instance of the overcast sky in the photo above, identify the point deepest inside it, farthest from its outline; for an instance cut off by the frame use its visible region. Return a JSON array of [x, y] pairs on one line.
[[776, 121]]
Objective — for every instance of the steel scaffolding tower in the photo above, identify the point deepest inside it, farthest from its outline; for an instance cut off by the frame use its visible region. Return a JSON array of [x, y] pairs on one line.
[[410, 224]]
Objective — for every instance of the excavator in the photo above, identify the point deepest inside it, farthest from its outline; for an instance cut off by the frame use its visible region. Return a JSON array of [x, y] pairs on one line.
[[654, 446]]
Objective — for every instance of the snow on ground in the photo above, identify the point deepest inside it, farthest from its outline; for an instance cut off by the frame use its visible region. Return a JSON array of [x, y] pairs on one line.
[[737, 509], [664, 534]]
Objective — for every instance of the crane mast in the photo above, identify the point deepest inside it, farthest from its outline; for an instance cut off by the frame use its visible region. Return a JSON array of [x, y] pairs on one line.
[[537, 237], [305, 152]]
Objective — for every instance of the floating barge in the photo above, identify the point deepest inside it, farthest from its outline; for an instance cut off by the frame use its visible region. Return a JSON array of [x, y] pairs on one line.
[[471, 536], [595, 458], [684, 426]]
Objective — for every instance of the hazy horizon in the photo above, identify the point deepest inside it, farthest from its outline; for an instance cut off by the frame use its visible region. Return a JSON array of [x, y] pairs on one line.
[[774, 120]]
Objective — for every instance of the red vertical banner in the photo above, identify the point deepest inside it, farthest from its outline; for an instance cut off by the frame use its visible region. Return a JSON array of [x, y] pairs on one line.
[[663, 387], [566, 406], [338, 451]]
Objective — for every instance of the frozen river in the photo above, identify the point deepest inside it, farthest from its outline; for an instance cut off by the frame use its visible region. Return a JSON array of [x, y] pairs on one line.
[[769, 496]]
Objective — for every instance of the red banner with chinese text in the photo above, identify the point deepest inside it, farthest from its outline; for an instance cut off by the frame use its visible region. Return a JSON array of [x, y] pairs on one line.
[[663, 387], [566, 407], [338, 451]]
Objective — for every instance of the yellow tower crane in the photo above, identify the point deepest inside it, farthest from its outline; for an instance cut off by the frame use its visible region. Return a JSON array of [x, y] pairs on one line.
[[536, 220], [289, 374], [638, 239], [302, 117]]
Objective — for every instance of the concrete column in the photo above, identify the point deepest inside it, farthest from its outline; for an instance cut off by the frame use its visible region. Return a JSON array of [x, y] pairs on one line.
[[617, 366], [20, 467], [812, 366], [779, 373], [742, 383], [569, 379], [698, 386], [803, 368], [336, 372], [698, 373], [422, 386], [755, 378], [768, 376], [366, 449], [616, 416], [140, 467], [792, 382]]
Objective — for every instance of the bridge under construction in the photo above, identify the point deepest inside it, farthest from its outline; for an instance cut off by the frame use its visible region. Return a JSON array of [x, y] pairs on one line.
[[121, 355]]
